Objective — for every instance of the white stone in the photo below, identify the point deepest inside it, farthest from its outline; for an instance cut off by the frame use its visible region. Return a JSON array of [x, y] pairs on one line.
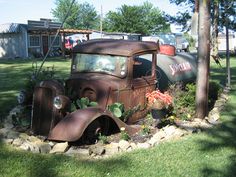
[[123, 145], [169, 130], [44, 147], [159, 135], [112, 148], [133, 145], [17, 142], [25, 147], [154, 141], [7, 141], [59, 148], [143, 145]]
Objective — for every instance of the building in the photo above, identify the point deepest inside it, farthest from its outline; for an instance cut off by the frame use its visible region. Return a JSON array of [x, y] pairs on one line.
[[34, 39]]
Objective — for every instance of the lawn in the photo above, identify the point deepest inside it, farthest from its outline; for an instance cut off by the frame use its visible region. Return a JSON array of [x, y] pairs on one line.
[[210, 153], [13, 76]]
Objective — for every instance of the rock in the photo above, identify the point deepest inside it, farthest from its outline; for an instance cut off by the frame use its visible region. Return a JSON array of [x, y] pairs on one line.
[[159, 135], [12, 134], [24, 136], [59, 148], [153, 141], [17, 142], [81, 152], [25, 147], [133, 146], [112, 148], [169, 130], [97, 149], [123, 145], [51, 143], [7, 141], [34, 139], [44, 147], [143, 145]]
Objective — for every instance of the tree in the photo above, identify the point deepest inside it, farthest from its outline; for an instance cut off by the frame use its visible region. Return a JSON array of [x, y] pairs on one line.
[[87, 17], [82, 16], [144, 19], [61, 9], [203, 59]]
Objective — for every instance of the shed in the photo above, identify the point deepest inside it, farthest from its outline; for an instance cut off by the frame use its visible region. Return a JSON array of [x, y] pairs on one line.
[[13, 40]]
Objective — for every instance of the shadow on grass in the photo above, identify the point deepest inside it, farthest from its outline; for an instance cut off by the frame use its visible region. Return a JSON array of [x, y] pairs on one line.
[[19, 163], [222, 138]]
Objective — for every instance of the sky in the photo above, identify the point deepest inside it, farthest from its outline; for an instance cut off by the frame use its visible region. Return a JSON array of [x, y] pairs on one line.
[[19, 11]]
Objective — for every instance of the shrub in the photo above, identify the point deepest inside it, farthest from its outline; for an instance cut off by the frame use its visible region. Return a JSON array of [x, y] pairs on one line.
[[184, 99]]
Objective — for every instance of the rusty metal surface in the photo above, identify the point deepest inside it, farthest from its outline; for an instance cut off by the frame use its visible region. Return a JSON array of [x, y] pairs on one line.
[[115, 47], [103, 88], [45, 116], [73, 125]]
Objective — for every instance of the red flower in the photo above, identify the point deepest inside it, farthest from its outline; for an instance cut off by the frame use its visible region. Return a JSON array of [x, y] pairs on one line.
[[157, 95]]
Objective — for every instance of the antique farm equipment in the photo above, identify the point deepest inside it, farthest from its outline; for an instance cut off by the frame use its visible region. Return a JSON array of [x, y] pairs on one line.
[[104, 72]]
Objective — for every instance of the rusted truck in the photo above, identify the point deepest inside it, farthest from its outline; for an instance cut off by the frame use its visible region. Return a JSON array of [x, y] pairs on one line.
[[106, 72]]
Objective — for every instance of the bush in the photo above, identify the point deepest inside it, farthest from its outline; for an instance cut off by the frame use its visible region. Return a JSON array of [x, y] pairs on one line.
[[184, 99]]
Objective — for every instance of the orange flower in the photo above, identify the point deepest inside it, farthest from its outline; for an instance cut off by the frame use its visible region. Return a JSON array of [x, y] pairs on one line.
[[157, 95]]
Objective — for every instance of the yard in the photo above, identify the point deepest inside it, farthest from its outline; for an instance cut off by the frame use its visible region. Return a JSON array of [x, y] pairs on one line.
[[210, 153]]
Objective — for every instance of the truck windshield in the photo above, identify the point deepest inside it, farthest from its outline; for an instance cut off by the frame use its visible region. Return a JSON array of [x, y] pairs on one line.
[[114, 65]]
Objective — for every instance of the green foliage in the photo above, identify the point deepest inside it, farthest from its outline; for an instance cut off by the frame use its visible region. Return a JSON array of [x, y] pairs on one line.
[[84, 103], [144, 19], [82, 16], [124, 135], [103, 138], [118, 110], [215, 89], [145, 130], [184, 100]]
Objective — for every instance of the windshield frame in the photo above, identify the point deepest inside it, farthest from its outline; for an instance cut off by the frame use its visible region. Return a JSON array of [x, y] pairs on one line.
[[109, 64]]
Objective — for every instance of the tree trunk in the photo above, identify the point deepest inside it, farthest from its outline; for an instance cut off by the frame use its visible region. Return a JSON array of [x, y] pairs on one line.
[[215, 30], [203, 59]]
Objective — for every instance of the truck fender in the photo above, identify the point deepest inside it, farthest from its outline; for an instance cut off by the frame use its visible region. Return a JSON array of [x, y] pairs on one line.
[[73, 125]]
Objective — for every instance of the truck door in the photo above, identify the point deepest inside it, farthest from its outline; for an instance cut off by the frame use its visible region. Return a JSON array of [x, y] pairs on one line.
[[143, 81]]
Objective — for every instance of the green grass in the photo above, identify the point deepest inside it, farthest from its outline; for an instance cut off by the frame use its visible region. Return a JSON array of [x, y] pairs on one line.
[[14, 73], [211, 153]]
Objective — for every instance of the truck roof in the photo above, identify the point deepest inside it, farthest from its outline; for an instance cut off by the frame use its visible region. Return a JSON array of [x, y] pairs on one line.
[[115, 47]]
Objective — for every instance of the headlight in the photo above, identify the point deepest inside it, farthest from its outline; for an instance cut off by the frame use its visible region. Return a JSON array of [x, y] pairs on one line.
[[61, 102], [57, 102]]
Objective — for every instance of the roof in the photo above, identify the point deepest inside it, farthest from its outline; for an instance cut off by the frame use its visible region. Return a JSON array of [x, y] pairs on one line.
[[115, 47], [12, 27], [75, 31]]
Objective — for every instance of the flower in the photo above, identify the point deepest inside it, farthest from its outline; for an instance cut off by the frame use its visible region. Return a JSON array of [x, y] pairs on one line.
[[122, 129], [157, 96]]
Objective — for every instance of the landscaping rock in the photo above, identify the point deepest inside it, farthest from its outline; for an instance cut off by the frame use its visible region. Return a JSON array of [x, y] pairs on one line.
[[169, 130], [7, 141], [123, 145], [17, 142], [112, 148], [59, 148], [25, 147], [97, 149], [133, 146], [75, 151], [34, 139], [143, 145], [44, 147]]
